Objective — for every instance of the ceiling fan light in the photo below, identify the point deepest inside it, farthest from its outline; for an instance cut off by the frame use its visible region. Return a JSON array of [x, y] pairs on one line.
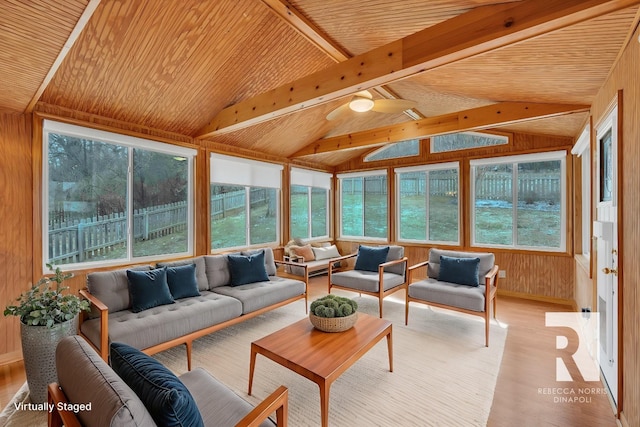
[[361, 104]]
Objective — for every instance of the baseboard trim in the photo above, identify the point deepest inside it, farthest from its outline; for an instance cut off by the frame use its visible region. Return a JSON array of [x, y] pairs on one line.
[[542, 298], [7, 358]]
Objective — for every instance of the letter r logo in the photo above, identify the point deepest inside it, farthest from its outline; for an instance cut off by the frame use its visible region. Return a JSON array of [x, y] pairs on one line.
[[586, 330]]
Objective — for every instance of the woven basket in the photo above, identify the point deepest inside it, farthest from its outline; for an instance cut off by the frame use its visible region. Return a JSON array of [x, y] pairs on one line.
[[333, 324]]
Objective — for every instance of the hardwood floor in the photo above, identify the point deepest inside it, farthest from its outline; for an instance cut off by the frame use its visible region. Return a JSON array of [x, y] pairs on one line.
[[526, 393]]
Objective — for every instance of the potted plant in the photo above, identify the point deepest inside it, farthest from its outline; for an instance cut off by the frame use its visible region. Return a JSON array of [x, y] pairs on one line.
[[47, 314], [333, 313]]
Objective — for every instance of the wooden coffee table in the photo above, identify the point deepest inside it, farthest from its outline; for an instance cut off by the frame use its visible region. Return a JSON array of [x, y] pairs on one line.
[[320, 356]]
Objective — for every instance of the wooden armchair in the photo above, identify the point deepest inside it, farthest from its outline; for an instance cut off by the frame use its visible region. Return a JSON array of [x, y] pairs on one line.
[[379, 280], [449, 294]]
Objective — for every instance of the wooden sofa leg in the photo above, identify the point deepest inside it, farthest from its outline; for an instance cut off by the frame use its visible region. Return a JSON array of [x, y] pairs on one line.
[[381, 303], [188, 344]]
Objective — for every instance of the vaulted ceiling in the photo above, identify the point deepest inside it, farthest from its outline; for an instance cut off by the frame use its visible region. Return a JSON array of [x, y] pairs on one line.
[[180, 65]]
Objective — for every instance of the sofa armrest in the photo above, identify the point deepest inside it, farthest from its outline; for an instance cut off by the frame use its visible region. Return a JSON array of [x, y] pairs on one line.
[[277, 402], [333, 261], [95, 303], [57, 417]]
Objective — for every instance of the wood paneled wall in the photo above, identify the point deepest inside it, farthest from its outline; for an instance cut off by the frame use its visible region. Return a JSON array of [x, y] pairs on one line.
[[15, 223], [624, 76]]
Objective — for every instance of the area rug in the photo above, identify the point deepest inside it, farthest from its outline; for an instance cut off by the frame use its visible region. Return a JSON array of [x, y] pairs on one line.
[[443, 374]]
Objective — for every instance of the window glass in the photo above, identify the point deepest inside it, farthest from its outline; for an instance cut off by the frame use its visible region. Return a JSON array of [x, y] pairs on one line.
[[363, 209], [160, 197], [263, 216], [396, 150], [428, 204], [299, 208], [90, 215], [519, 201], [319, 212], [465, 140], [228, 216]]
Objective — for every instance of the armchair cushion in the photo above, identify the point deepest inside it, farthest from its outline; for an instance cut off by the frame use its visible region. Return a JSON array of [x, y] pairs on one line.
[[369, 258], [463, 271], [247, 268], [366, 280], [487, 261], [449, 294], [163, 394]]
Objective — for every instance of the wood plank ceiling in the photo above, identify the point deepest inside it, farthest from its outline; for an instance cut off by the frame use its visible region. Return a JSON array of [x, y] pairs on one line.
[[174, 65]]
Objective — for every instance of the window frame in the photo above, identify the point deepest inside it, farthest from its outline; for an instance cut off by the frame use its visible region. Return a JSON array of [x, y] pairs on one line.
[[427, 168], [130, 143], [312, 180], [247, 173], [582, 149], [361, 174], [559, 155]]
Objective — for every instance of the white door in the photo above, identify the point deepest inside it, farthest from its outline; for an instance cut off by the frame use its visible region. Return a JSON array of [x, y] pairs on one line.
[[606, 232]]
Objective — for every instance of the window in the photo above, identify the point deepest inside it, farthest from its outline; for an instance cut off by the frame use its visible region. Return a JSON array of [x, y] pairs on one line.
[[520, 201], [363, 205], [245, 208], [583, 150], [428, 208], [396, 150], [309, 204], [466, 140], [111, 198]]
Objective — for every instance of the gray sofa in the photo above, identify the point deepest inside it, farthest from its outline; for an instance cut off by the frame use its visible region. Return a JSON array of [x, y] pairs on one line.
[[452, 295], [85, 379], [156, 329]]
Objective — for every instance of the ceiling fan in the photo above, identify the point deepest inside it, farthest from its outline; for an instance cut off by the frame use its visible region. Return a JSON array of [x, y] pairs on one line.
[[363, 101]]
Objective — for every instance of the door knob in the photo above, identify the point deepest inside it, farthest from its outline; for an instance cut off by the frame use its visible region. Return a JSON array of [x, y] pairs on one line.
[[608, 270]]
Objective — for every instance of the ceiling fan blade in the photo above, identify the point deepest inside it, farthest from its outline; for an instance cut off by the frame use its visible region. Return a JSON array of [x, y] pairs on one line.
[[392, 105], [364, 94], [334, 114]]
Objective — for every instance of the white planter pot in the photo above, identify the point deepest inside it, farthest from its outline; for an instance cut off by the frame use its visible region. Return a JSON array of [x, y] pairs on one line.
[[38, 350]]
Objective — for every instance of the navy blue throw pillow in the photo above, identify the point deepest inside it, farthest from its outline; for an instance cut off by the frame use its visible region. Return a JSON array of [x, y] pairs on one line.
[[163, 394], [148, 289], [247, 268], [369, 258], [182, 281], [463, 271]]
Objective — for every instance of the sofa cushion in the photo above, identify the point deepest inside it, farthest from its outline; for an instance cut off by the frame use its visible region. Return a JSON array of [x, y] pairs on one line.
[[182, 281], [327, 252], [369, 258], [219, 405], [247, 268], [113, 401], [396, 252], [201, 269], [269, 260], [112, 287], [366, 280], [463, 271], [148, 289], [164, 395], [487, 261], [304, 251], [449, 294], [257, 295]]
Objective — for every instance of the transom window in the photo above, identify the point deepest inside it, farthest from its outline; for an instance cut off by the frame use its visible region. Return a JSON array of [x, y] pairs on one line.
[[427, 206], [363, 205], [520, 201], [244, 201], [111, 198], [466, 140], [396, 150], [309, 204]]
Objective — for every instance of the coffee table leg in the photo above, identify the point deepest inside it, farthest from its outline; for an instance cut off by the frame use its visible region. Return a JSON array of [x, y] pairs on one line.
[[252, 365], [390, 348], [324, 402]]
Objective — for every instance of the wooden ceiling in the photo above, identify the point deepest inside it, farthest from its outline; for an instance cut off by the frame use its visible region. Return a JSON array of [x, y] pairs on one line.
[[174, 65]]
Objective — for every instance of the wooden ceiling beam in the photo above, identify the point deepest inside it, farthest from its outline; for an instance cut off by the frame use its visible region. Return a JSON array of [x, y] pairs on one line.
[[478, 31], [318, 38], [474, 119], [75, 33]]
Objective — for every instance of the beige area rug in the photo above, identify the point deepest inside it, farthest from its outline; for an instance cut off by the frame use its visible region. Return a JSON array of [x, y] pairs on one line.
[[443, 374]]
